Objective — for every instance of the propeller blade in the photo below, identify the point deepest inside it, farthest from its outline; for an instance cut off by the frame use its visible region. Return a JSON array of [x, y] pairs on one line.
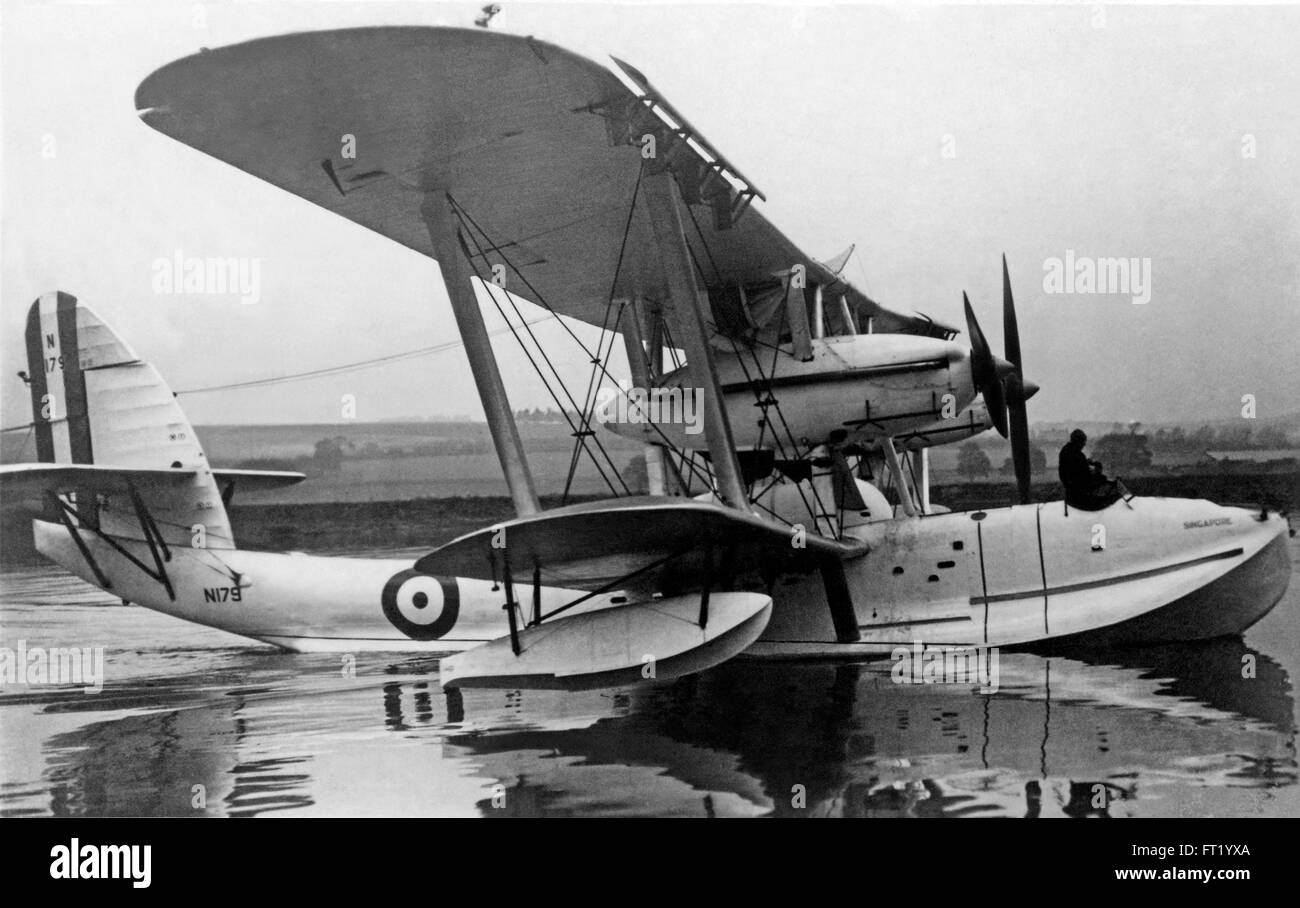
[[1010, 330], [843, 485], [984, 371], [1019, 435], [1018, 391], [981, 357], [996, 401]]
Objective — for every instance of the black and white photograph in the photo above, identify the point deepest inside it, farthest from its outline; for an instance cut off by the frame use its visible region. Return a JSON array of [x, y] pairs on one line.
[[603, 409]]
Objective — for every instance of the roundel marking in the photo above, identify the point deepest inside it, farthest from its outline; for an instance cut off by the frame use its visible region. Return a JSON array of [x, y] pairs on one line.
[[421, 606]]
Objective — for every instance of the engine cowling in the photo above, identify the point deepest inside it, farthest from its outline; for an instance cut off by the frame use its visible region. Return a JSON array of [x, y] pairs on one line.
[[866, 386]]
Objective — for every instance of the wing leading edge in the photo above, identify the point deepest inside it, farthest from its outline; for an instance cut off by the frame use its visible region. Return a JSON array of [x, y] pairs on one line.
[[540, 148]]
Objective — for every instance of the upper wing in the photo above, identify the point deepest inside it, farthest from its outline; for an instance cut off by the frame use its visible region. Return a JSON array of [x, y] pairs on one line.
[[541, 148]]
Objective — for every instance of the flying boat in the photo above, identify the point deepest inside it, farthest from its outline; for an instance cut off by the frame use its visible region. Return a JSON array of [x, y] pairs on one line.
[[794, 521]]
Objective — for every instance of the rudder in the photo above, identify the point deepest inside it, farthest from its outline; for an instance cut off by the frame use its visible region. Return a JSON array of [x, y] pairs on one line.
[[95, 402]]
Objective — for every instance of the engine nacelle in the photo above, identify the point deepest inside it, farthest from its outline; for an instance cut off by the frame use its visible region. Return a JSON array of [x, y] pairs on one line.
[[866, 385]]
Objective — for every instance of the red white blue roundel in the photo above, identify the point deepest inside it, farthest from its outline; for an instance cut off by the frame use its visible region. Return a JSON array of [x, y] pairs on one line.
[[421, 606]]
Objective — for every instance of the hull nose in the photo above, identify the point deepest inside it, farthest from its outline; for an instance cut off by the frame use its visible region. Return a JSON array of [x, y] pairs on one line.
[[1227, 605], [1245, 594]]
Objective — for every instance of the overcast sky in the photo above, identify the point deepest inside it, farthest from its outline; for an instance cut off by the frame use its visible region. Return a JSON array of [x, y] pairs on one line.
[[934, 138]]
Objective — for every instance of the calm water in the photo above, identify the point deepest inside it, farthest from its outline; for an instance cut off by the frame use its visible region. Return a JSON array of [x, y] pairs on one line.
[[1165, 731]]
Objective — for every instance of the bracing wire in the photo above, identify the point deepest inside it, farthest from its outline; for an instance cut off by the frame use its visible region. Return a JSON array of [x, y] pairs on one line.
[[463, 216]]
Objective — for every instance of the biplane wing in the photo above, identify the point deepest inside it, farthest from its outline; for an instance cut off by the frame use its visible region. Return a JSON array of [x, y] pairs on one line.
[[651, 544], [574, 191], [688, 576], [541, 149]]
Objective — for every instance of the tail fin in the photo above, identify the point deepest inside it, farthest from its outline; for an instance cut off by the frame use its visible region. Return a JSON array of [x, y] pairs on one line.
[[95, 402]]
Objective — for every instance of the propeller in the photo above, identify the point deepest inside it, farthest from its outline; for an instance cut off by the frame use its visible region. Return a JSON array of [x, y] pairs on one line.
[[1002, 382], [1017, 390], [984, 369]]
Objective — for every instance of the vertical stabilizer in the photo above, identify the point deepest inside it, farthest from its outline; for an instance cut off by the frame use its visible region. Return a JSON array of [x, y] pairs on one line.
[[95, 402]]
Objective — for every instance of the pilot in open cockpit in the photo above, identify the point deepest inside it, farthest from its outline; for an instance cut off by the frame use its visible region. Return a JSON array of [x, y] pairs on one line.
[[1086, 486]]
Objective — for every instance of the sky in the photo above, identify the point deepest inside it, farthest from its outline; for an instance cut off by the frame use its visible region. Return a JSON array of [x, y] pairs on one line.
[[935, 138]]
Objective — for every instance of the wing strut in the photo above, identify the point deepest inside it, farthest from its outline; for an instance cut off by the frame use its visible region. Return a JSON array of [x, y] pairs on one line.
[[662, 195], [441, 223], [925, 481], [846, 316], [900, 481], [796, 311], [634, 344]]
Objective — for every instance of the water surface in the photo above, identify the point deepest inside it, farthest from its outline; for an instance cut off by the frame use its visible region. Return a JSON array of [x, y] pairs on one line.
[[1191, 730]]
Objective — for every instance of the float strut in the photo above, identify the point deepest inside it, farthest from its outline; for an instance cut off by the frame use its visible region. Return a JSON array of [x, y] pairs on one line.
[[708, 584], [840, 601], [510, 608], [537, 594]]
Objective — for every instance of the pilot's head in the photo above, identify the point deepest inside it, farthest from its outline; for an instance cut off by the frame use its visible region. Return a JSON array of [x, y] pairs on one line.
[[1078, 437]]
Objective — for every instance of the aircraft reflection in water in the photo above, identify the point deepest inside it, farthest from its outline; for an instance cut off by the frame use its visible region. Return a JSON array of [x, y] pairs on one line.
[[150, 763], [861, 745], [1064, 735]]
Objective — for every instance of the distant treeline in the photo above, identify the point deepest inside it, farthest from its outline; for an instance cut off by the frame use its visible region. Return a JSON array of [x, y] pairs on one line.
[[1178, 440], [1130, 452], [547, 431], [1278, 490], [549, 415], [1228, 438], [330, 453]]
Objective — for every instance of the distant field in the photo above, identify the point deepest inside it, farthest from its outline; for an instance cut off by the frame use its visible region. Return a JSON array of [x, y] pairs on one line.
[[448, 476], [341, 527], [400, 461], [435, 459]]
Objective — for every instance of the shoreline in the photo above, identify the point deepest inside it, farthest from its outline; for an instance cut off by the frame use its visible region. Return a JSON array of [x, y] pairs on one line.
[[430, 522]]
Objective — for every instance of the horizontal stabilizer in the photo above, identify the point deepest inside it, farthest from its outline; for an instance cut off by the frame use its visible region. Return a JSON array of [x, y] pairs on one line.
[[34, 480], [660, 640], [591, 545], [258, 480]]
